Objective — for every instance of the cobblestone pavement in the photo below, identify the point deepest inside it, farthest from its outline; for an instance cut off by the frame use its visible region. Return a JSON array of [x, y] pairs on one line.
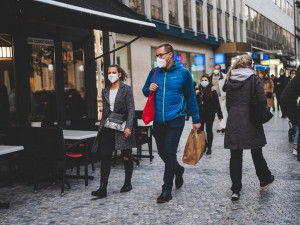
[[203, 199]]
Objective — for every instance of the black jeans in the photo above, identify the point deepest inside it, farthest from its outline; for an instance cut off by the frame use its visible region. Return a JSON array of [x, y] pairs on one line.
[[208, 122], [107, 146], [167, 136], [262, 171]]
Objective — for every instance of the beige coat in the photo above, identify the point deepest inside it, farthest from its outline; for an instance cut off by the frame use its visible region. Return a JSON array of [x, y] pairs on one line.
[[269, 87]]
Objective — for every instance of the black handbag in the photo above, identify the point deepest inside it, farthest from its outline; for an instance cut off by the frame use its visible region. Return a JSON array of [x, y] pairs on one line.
[[116, 121], [258, 114]]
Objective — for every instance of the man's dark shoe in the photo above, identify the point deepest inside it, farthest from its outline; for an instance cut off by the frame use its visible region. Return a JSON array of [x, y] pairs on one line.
[[101, 192], [267, 183], [179, 178], [164, 197], [208, 151], [235, 196], [126, 187]]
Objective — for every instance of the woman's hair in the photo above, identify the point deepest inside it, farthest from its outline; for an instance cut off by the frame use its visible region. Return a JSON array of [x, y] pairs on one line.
[[208, 90], [245, 61], [121, 71], [267, 81]]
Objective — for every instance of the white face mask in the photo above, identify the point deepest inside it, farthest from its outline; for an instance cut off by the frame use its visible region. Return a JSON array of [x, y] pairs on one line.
[[113, 77], [161, 63], [216, 71]]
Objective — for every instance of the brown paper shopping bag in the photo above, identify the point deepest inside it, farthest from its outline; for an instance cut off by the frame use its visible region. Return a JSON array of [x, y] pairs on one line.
[[194, 147]]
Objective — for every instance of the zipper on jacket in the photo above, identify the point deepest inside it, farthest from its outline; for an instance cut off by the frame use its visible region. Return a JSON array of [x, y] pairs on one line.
[[164, 97], [181, 104]]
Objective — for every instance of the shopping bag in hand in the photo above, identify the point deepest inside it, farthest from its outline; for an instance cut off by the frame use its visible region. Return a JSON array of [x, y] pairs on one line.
[[194, 148], [149, 110]]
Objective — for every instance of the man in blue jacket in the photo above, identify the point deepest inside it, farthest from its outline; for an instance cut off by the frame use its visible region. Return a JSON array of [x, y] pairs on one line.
[[174, 90]]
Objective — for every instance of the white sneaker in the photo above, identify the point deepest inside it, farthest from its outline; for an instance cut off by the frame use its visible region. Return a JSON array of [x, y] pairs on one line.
[[295, 152]]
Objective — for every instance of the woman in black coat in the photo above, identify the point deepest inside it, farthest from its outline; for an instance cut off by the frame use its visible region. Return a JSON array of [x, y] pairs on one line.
[[240, 132], [117, 98], [209, 105]]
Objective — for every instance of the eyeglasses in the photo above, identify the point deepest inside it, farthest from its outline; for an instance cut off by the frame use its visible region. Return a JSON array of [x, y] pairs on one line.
[[160, 55]]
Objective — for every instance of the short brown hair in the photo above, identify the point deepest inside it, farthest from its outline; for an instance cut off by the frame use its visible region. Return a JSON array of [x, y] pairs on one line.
[[121, 71], [168, 48]]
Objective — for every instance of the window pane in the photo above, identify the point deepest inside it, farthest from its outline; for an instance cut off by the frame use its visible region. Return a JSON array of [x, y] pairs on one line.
[[124, 60], [210, 20], [137, 6], [219, 4], [173, 11], [241, 32], [227, 27], [247, 17], [199, 14], [284, 5], [156, 9], [219, 23], [187, 13], [234, 30]]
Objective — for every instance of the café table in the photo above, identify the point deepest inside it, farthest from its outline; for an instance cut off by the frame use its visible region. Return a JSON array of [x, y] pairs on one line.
[[84, 136], [5, 150]]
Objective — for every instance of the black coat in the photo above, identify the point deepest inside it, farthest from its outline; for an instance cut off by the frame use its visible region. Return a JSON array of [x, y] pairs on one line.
[[240, 132], [208, 105], [289, 99], [124, 104], [283, 82]]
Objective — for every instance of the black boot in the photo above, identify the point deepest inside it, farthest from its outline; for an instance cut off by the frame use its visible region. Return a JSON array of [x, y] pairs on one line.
[[102, 191], [208, 151], [128, 165]]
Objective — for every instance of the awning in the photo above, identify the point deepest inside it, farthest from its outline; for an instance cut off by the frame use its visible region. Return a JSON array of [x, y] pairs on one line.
[[107, 15], [234, 47]]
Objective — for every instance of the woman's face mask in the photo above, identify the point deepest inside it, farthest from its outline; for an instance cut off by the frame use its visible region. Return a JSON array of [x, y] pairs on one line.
[[113, 77], [204, 83], [281, 74]]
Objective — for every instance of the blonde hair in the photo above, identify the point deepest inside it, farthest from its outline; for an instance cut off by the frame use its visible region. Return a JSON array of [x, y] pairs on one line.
[[245, 61]]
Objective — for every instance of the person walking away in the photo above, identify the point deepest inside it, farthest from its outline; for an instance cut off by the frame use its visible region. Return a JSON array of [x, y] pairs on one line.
[[208, 103], [117, 98], [281, 83], [218, 80], [290, 105], [240, 132], [269, 88], [274, 80], [174, 90]]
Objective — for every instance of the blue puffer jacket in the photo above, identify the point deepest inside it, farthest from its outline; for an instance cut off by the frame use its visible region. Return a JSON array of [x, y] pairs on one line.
[[175, 91]]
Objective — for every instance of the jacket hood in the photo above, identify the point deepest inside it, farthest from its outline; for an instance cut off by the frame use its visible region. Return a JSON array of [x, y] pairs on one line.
[[239, 77]]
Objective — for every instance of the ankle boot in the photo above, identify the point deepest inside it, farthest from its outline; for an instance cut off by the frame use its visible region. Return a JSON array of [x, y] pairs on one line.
[[128, 166], [208, 151], [102, 191]]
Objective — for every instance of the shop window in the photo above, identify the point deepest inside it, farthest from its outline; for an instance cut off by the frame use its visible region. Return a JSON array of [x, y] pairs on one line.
[[7, 83], [173, 11], [124, 60], [187, 13], [199, 14], [210, 20], [156, 9], [219, 24], [137, 6], [198, 67]]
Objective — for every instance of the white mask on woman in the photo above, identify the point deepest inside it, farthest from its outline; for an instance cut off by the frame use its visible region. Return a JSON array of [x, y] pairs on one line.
[[216, 72], [113, 77]]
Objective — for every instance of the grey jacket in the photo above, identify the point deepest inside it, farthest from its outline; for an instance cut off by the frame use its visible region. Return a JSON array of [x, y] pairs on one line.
[[124, 104], [240, 132]]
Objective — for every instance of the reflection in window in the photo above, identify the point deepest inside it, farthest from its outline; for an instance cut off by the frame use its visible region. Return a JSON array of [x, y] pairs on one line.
[[156, 9], [187, 13], [198, 67], [137, 6], [124, 60], [210, 20], [173, 11], [199, 14]]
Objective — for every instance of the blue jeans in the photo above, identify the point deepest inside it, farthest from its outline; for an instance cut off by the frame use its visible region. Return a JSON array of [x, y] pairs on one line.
[[296, 135], [167, 136]]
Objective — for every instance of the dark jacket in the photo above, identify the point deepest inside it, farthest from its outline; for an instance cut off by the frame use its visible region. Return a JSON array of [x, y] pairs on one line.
[[289, 99], [283, 82], [124, 104], [240, 132], [209, 105]]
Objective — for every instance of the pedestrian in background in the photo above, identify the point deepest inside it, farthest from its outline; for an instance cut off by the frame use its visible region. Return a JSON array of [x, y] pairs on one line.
[[274, 80], [218, 80], [174, 90], [269, 88], [240, 132], [208, 103], [280, 85], [292, 74], [117, 98]]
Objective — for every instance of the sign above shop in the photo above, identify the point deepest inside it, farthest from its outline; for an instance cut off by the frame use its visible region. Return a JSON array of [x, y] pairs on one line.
[[219, 58], [40, 41], [270, 62]]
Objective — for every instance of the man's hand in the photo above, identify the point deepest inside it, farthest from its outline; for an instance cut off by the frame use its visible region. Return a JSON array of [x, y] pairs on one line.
[[196, 126], [127, 132], [197, 92], [153, 87]]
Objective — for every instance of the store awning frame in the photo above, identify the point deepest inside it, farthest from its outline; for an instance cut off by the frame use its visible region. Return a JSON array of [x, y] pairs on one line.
[[234, 48]]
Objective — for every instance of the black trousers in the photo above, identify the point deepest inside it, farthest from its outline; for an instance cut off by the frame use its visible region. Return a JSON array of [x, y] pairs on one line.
[[208, 121], [107, 147], [262, 171]]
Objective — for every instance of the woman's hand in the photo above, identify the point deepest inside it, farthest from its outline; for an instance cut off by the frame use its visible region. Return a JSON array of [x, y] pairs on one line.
[[197, 92], [153, 87], [127, 132]]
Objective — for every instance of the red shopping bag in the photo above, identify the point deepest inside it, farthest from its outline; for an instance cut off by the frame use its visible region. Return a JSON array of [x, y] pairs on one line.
[[149, 110]]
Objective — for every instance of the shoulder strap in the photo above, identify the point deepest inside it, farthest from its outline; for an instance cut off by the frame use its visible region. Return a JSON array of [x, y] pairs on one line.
[[155, 74]]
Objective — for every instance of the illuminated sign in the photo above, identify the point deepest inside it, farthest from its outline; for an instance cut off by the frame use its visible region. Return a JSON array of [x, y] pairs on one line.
[[199, 60]]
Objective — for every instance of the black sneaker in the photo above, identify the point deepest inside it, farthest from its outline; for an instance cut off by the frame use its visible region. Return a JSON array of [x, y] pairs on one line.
[[235, 196], [267, 183], [164, 197], [179, 178], [126, 188]]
